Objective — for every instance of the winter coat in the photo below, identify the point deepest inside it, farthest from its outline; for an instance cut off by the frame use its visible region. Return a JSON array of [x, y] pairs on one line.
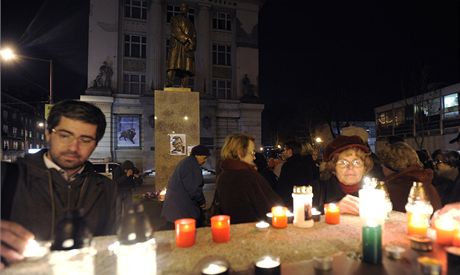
[[32, 206], [243, 193], [185, 192], [327, 191], [399, 185]]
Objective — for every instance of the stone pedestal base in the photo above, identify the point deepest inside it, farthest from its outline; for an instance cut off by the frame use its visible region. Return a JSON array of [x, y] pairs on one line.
[[177, 113]]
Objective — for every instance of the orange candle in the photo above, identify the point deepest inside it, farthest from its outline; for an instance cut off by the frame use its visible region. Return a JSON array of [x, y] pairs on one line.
[[185, 232], [279, 217], [456, 241], [220, 228], [332, 213], [445, 231], [417, 224]]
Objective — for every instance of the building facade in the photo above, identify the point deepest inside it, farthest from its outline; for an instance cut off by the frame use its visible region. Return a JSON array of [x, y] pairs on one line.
[[127, 55], [427, 121]]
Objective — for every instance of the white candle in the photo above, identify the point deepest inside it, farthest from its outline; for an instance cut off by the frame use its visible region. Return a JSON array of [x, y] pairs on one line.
[[268, 262], [214, 268], [262, 225]]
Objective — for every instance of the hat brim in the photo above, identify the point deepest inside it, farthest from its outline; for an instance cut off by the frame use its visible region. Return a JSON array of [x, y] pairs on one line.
[[341, 149]]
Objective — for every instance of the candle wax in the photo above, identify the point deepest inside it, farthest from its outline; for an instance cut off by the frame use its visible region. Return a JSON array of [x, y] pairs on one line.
[[332, 214]]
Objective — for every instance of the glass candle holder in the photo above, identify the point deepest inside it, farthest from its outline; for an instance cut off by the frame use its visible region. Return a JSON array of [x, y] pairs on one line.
[[215, 268], [268, 265], [185, 232], [372, 242], [417, 223], [445, 231], [279, 217], [332, 213], [220, 228]]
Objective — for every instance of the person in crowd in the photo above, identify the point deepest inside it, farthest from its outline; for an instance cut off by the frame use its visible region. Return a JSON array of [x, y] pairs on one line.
[[425, 159], [447, 177], [401, 167], [184, 196], [39, 189], [125, 184], [241, 191], [347, 159], [262, 167], [376, 171], [137, 177], [297, 170]]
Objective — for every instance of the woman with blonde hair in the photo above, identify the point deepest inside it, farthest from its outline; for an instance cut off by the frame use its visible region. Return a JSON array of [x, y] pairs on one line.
[[401, 167], [242, 192]]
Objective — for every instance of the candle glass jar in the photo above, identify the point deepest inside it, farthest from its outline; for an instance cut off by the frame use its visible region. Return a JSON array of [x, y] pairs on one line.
[[185, 232], [419, 210], [279, 217], [332, 213], [220, 228], [302, 203]]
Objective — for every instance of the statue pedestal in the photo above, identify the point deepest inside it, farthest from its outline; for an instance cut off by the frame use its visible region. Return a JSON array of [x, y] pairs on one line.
[[177, 113]]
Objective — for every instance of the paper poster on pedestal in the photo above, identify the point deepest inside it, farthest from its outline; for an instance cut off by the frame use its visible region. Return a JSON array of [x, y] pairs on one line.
[[177, 144]]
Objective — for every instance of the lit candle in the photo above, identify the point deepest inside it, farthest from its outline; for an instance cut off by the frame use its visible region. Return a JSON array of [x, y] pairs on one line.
[[185, 232], [268, 266], [262, 225], [417, 224], [315, 214], [220, 228], [445, 231], [332, 213], [372, 242], [279, 219], [456, 241], [215, 268], [35, 250]]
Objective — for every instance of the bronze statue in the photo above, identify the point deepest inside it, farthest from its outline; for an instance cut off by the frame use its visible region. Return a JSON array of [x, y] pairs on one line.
[[104, 78], [181, 59]]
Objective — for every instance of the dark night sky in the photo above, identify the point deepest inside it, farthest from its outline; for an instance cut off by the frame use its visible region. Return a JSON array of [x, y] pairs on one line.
[[324, 59]]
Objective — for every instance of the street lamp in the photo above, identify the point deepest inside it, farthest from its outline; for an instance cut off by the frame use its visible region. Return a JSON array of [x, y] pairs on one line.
[[7, 54]]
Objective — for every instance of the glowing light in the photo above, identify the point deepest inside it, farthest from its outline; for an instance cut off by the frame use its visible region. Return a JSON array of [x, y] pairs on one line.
[[7, 54], [185, 117], [318, 140]]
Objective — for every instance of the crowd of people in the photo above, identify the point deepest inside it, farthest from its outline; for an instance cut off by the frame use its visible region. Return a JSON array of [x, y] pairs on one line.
[[60, 179]]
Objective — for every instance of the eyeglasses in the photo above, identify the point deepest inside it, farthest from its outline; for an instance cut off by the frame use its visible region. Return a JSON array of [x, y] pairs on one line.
[[437, 161], [356, 163], [67, 137]]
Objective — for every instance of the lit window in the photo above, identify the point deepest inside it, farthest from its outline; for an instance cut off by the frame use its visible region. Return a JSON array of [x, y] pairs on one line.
[[221, 88], [221, 54], [135, 46], [136, 9], [451, 105], [222, 21], [133, 83]]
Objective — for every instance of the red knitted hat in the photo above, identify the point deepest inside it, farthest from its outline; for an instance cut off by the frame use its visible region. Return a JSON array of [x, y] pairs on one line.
[[341, 143]]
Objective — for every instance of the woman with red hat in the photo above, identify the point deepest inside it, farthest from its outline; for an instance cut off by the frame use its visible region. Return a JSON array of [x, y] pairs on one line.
[[348, 160]]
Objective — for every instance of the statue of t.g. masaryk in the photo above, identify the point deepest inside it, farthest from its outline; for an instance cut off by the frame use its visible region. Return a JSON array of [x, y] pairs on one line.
[[181, 58]]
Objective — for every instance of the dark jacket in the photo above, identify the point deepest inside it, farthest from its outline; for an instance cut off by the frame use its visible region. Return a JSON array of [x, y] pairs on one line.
[[243, 193], [297, 170], [399, 185], [327, 191], [185, 192], [32, 205]]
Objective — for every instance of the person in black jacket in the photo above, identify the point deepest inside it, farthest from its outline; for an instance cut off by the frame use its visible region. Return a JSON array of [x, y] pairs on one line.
[[297, 170], [125, 184], [45, 186]]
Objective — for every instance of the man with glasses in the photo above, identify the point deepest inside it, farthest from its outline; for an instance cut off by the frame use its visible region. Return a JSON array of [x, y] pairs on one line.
[[40, 189]]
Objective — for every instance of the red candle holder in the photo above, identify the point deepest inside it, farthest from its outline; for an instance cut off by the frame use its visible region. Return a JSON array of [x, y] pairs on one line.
[[332, 213], [445, 231], [220, 228], [456, 241], [185, 232], [279, 217]]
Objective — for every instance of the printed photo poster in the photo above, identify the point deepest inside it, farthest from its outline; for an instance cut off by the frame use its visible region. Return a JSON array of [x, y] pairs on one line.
[[177, 144], [128, 131]]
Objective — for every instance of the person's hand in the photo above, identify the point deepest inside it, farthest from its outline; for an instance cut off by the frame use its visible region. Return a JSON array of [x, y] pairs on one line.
[[349, 205], [14, 239]]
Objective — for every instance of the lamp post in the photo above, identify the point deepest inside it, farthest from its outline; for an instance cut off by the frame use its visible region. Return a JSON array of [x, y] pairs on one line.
[[8, 54]]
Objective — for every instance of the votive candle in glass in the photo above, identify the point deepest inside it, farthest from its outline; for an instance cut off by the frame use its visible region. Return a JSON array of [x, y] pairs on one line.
[[372, 242], [185, 232], [417, 224], [315, 214], [279, 217], [220, 228], [332, 213], [268, 266], [456, 241], [445, 231]]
